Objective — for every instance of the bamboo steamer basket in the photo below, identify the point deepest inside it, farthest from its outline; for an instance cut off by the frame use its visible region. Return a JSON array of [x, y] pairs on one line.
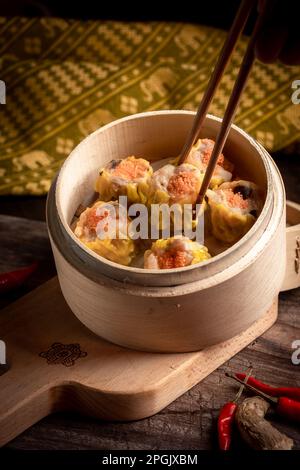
[[184, 309]]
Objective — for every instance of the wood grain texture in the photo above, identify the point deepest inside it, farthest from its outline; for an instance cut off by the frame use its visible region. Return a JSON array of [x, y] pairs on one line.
[[56, 364], [292, 274], [190, 421], [23, 241]]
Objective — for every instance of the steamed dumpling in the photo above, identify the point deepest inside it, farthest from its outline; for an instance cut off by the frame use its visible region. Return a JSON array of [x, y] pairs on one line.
[[175, 184], [234, 207], [94, 229], [174, 252], [127, 177], [199, 156]]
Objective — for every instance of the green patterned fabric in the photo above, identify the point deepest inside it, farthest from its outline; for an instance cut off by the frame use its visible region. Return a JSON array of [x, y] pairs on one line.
[[64, 79]]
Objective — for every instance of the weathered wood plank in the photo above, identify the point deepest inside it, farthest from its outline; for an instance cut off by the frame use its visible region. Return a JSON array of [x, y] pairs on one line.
[[23, 241], [190, 421]]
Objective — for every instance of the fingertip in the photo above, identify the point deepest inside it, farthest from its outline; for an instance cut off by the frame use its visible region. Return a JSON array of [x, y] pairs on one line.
[[264, 56], [290, 54], [265, 52], [269, 44]]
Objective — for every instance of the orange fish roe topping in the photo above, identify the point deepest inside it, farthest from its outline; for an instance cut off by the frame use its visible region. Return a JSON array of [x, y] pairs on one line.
[[207, 151], [182, 183], [92, 219], [131, 169], [235, 199], [171, 260]]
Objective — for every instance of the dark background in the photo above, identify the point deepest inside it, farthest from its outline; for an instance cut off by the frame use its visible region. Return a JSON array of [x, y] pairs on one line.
[[218, 13]]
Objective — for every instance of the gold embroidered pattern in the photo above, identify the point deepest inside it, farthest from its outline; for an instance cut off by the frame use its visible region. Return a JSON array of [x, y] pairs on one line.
[[66, 78]]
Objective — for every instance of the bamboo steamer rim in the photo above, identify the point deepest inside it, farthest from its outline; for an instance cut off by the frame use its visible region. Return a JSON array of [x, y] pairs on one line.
[[156, 277], [57, 233]]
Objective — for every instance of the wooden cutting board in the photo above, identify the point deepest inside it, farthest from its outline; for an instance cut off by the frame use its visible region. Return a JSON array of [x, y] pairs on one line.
[[56, 364]]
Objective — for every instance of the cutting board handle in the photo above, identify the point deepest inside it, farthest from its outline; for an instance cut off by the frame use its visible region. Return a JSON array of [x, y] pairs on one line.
[[23, 402], [292, 274]]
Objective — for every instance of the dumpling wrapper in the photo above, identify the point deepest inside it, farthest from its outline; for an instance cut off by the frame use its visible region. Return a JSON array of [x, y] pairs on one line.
[[234, 208], [127, 177], [174, 252], [199, 156], [96, 219], [173, 184]]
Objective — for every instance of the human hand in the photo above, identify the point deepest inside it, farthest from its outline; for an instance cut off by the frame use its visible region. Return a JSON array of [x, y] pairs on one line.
[[279, 38]]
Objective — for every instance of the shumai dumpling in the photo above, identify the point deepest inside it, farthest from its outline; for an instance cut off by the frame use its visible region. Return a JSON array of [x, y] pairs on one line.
[[174, 252], [127, 177], [175, 184], [234, 207], [199, 156], [104, 229]]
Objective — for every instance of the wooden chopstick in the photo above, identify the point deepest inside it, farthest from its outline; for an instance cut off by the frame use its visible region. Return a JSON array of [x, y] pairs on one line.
[[228, 47], [234, 99]]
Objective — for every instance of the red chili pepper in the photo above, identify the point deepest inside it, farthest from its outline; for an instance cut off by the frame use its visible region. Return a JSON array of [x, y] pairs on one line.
[[226, 417], [290, 392], [13, 279], [284, 406], [225, 422], [288, 408]]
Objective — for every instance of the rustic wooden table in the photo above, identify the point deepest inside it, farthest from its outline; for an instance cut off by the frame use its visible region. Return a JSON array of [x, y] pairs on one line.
[[190, 421]]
